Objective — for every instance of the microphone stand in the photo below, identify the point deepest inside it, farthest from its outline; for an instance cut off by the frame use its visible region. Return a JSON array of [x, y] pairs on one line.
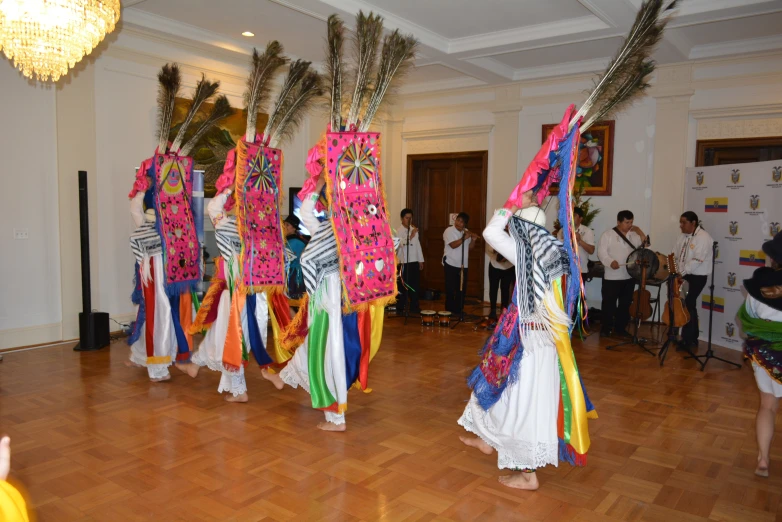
[[709, 355]]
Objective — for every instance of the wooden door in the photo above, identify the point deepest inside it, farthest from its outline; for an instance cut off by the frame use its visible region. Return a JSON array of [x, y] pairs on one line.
[[741, 150], [439, 185]]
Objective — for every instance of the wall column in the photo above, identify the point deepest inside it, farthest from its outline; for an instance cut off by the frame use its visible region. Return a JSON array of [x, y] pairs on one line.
[[672, 92]]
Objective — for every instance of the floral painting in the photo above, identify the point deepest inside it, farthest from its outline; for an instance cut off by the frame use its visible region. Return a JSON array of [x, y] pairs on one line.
[[209, 154], [594, 170]]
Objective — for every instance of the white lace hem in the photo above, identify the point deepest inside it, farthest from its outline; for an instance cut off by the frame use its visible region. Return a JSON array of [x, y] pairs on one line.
[[158, 371], [523, 454], [233, 383], [204, 360], [335, 418], [294, 378]]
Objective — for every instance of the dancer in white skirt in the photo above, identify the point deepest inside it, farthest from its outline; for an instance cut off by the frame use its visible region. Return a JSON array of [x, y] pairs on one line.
[[514, 407]]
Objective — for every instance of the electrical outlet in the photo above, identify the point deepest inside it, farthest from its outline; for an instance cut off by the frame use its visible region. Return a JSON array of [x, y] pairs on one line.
[[21, 233]]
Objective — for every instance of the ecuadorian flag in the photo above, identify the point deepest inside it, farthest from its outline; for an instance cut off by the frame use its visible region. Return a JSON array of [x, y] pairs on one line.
[[719, 303], [716, 204], [752, 258]]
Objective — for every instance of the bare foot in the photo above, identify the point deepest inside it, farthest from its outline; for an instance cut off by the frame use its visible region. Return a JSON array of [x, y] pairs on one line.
[[762, 469], [239, 398], [162, 379], [330, 426], [478, 443], [526, 481], [131, 364], [273, 378], [189, 368]]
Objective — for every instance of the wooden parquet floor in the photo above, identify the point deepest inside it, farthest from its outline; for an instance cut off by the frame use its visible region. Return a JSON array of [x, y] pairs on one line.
[[95, 441]]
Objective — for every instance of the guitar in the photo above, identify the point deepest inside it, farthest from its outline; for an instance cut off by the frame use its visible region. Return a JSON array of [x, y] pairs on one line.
[[641, 307], [680, 314]]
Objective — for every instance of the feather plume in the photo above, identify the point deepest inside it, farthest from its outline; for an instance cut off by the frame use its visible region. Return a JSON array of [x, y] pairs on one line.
[[336, 37], [646, 32], [296, 73], [203, 91], [259, 82], [169, 80], [624, 95], [307, 89], [395, 59], [368, 30], [221, 109]]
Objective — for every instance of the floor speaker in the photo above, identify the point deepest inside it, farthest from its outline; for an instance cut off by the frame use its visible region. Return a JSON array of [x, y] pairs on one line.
[[93, 326]]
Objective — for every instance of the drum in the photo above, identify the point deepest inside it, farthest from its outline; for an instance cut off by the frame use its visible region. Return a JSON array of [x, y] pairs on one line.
[[444, 319], [663, 271], [427, 317]]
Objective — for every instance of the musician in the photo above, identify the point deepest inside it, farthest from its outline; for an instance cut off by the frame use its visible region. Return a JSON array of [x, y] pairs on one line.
[[458, 243], [693, 253], [502, 277], [612, 249], [585, 239], [296, 242], [409, 270]]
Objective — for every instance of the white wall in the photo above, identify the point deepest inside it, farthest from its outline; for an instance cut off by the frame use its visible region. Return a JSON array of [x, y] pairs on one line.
[[30, 274]]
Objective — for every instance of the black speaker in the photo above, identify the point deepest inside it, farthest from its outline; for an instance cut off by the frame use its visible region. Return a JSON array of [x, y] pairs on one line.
[[93, 326]]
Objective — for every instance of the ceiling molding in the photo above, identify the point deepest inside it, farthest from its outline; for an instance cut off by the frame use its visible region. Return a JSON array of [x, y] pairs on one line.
[[583, 24], [694, 7], [302, 10], [754, 45], [447, 133], [595, 65], [425, 36], [732, 112], [492, 65], [441, 85], [599, 12]]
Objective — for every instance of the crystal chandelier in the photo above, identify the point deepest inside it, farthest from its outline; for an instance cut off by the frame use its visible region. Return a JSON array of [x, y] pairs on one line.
[[45, 38]]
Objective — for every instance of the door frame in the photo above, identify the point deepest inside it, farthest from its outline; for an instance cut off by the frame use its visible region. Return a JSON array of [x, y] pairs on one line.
[[483, 155], [732, 143]]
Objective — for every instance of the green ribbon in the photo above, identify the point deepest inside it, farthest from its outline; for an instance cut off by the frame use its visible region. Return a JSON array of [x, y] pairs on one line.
[[567, 407], [770, 331], [316, 352]]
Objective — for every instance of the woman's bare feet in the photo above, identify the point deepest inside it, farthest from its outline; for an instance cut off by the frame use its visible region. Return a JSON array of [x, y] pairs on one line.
[[521, 480], [131, 364], [162, 379], [330, 426], [189, 368], [478, 443], [762, 469], [275, 379], [239, 398]]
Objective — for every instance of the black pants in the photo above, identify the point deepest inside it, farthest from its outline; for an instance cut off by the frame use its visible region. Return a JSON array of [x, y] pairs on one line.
[[690, 330], [409, 275], [501, 280], [454, 299], [616, 316]]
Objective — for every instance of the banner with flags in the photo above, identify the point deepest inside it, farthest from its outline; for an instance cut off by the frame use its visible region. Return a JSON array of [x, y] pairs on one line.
[[741, 207]]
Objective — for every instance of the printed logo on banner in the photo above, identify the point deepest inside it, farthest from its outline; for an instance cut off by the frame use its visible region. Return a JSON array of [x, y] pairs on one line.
[[754, 203], [773, 228], [731, 288], [699, 179], [731, 278], [733, 230], [776, 174], [735, 178], [719, 303], [716, 205], [756, 258], [730, 332]]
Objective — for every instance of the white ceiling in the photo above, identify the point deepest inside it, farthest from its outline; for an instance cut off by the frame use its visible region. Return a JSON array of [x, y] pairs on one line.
[[474, 42]]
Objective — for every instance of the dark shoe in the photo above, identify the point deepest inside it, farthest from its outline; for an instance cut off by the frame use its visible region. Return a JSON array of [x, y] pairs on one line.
[[684, 346]]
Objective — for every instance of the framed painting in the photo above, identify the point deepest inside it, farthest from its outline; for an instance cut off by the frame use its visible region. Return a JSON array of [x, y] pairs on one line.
[[210, 152], [595, 159]]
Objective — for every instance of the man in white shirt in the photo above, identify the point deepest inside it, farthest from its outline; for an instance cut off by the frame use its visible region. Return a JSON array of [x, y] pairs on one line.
[[458, 242], [612, 249], [409, 269], [585, 239], [693, 251], [502, 276]]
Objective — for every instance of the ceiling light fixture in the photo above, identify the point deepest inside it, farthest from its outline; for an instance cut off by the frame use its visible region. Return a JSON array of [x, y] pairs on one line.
[[248, 33], [45, 38]]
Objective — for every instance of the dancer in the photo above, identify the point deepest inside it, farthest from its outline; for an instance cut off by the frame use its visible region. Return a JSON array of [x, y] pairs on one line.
[[349, 264], [248, 290], [165, 244], [761, 320], [528, 403]]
